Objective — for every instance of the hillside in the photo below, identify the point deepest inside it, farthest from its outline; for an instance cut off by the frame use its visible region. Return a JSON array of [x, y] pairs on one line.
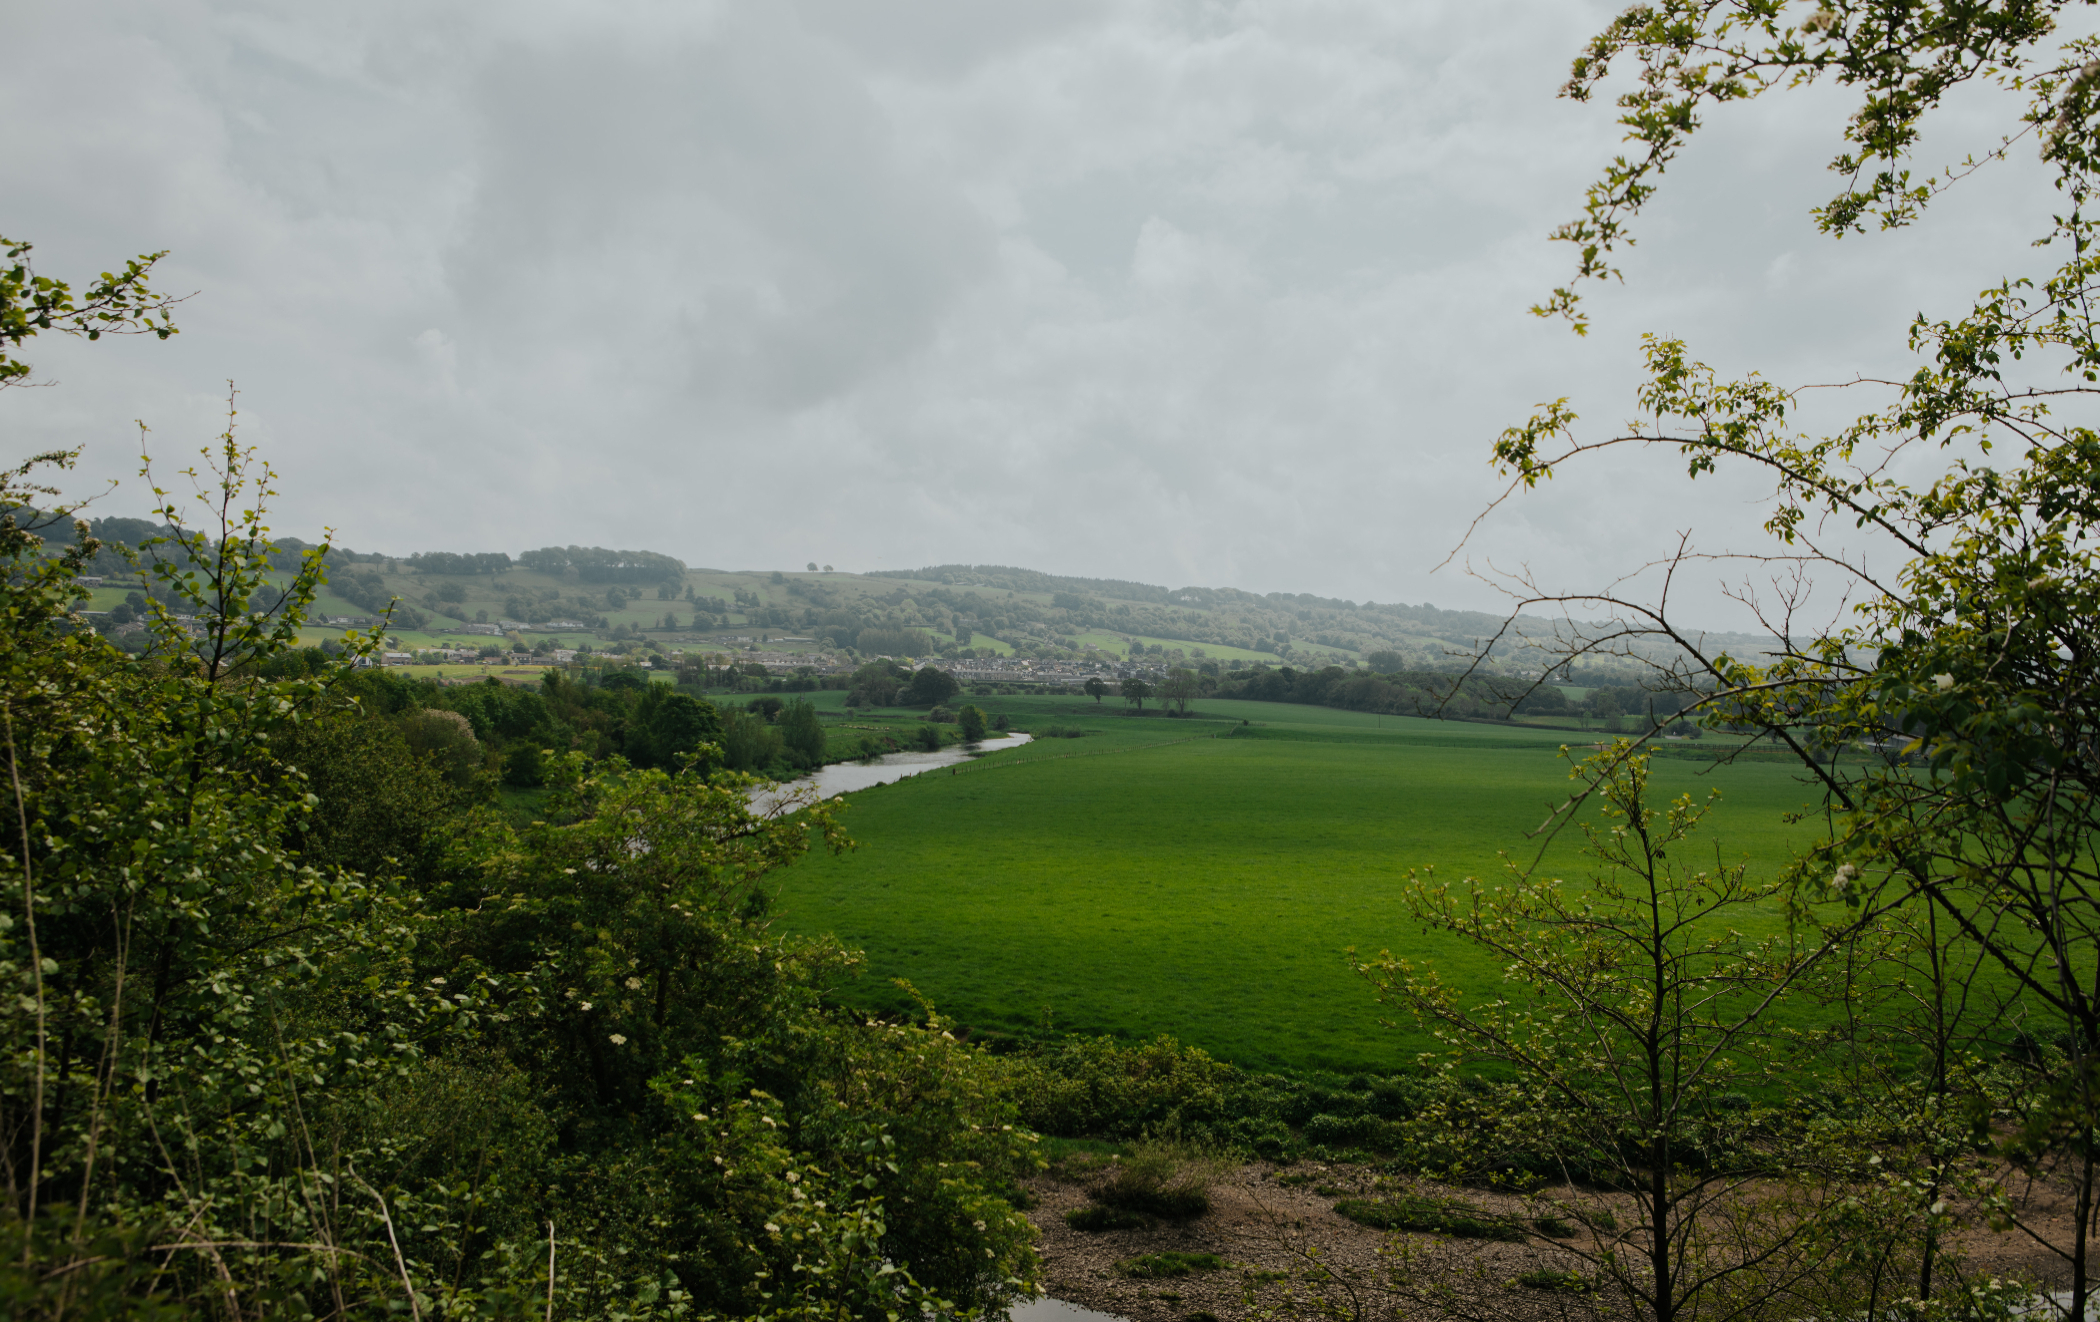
[[573, 596]]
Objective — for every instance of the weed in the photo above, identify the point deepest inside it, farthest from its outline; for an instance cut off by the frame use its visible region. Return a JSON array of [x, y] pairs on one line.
[[1158, 1266], [1096, 1218], [1432, 1216], [1567, 1282], [1555, 1227]]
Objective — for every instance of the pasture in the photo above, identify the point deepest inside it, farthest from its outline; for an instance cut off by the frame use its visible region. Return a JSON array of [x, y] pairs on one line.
[[1202, 877]]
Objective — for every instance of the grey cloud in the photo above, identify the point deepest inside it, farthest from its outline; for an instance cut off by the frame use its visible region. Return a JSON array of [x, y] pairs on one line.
[[736, 192], [1224, 292]]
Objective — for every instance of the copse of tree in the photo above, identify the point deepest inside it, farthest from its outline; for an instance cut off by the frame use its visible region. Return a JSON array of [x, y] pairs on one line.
[[596, 564], [801, 734], [876, 684], [451, 562], [894, 642]]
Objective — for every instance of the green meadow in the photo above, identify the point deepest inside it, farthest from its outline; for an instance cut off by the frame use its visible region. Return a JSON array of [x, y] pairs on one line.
[[1205, 877]]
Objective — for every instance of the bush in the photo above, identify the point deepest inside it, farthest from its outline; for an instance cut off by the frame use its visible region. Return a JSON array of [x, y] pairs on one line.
[[1566, 1282], [928, 738], [1159, 1266], [1348, 1131], [1430, 1216], [1160, 1179], [1101, 1086], [1096, 1218], [1060, 732]]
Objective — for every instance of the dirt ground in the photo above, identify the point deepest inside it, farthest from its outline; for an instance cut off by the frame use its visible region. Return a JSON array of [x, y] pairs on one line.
[[1265, 1221]]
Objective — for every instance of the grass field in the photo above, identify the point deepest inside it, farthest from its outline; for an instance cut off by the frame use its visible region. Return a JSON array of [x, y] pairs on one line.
[[1204, 877]]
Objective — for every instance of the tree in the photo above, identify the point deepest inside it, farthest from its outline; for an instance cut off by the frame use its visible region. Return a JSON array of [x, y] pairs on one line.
[[1949, 721], [812, 566], [749, 743], [971, 720], [1179, 687], [802, 734], [1135, 691], [1096, 688], [120, 304], [1632, 1013], [445, 740], [667, 725], [929, 686]]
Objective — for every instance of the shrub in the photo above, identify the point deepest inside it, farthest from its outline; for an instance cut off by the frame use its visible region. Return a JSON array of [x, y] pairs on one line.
[[1430, 1216], [1096, 1218], [1158, 1266], [1105, 1087], [1348, 1131], [1566, 1282], [1555, 1227], [1060, 732], [1161, 1179]]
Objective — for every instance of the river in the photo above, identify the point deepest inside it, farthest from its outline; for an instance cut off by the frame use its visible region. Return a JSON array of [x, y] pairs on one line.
[[845, 777]]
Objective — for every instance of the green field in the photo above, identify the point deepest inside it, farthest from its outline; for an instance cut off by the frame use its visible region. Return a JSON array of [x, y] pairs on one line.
[[1203, 877]]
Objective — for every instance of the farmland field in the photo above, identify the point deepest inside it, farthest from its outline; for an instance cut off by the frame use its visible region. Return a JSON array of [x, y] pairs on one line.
[[1204, 877]]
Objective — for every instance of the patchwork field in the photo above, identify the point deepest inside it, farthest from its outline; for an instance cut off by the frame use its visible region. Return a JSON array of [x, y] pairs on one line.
[[1204, 877]]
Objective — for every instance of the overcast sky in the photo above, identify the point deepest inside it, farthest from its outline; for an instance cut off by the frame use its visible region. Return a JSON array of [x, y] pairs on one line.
[[1190, 293]]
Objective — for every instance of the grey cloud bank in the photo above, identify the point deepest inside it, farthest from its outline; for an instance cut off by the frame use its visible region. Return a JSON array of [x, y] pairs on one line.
[[1218, 293]]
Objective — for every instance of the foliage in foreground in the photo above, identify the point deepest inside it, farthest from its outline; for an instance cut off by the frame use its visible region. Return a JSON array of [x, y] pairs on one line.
[[565, 1069], [1943, 705]]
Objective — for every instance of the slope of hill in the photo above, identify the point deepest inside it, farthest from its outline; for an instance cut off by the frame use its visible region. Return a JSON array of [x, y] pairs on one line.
[[590, 595]]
